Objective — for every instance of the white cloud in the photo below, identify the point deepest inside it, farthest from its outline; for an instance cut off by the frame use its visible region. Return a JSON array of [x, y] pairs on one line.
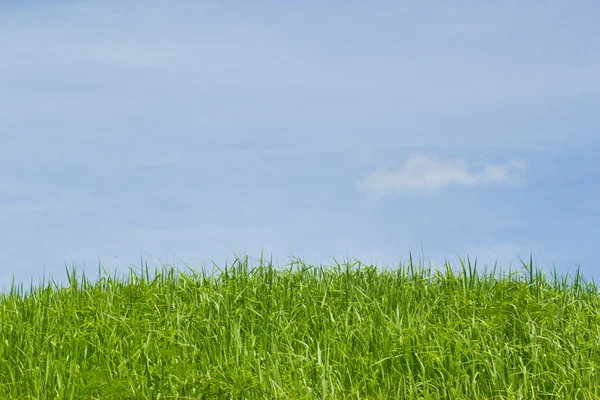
[[426, 174]]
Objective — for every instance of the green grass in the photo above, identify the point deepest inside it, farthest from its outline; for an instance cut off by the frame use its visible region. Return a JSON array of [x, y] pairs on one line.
[[348, 331]]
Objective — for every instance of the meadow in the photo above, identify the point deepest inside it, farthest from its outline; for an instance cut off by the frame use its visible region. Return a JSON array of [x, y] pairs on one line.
[[346, 331]]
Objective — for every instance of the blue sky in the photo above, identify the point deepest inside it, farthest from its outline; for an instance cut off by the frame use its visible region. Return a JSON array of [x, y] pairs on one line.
[[180, 131]]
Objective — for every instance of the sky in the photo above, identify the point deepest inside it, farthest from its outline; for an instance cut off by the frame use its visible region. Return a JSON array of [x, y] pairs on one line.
[[181, 132]]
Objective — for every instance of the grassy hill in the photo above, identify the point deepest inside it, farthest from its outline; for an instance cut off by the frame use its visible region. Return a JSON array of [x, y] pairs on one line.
[[348, 331]]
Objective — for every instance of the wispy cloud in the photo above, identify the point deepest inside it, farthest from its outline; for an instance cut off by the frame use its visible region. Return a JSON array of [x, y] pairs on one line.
[[421, 173]]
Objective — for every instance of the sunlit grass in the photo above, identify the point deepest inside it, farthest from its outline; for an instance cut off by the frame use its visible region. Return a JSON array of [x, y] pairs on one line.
[[348, 331]]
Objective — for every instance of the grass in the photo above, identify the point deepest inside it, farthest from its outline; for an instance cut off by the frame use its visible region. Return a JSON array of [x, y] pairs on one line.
[[349, 331]]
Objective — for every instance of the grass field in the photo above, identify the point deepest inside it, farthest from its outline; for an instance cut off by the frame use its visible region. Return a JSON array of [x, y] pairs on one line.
[[348, 331]]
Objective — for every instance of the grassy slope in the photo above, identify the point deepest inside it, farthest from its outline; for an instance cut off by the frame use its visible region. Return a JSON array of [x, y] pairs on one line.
[[348, 331]]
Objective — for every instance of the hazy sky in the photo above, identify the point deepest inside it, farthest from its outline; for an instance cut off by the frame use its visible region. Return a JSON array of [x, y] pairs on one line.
[[182, 131]]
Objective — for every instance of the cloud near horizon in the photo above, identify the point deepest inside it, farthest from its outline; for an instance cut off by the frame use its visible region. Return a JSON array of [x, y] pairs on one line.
[[424, 174]]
